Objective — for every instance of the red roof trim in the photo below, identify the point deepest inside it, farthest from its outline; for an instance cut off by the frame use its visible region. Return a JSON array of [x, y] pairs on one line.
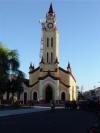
[[34, 70], [58, 79], [62, 70], [67, 73], [49, 75], [64, 84], [72, 76], [34, 84]]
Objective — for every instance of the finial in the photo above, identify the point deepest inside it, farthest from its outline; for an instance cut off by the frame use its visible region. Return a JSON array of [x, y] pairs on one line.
[[56, 60], [42, 60], [68, 67], [31, 65], [51, 9], [68, 64]]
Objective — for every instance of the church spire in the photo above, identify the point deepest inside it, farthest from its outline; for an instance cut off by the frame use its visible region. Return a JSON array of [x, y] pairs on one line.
[[51, 9]]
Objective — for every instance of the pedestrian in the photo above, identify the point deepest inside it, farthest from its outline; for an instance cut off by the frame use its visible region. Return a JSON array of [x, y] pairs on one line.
[[52, 106]]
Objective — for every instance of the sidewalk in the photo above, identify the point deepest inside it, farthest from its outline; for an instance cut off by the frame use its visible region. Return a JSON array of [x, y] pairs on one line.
[[5, 113]]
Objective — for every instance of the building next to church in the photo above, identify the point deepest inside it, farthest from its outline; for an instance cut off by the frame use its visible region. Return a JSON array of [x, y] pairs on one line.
[[49, 81]]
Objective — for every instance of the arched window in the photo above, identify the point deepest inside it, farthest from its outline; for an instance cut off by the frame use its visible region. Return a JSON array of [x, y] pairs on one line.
[[47, 57], [47, 42], [63, 96], [35, 96], [51, 41], [51, 57]]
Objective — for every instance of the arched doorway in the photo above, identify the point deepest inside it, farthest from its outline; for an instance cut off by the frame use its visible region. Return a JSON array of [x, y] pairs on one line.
[[49, 94], [63, 96], [35, 96]]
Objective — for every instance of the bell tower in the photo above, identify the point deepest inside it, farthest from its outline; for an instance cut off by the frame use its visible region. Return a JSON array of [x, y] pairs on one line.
[[50, 41]]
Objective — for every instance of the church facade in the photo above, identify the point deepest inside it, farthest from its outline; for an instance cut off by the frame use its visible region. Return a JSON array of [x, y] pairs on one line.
[[49, 81]]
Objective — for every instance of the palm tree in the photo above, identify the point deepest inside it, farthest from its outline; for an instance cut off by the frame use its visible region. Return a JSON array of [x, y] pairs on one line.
[[10, 76], [3, 69], [13, 62], [14, 83], [19, 82]]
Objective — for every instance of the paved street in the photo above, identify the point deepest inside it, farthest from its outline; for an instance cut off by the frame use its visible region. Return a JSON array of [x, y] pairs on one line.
[[58, 121]]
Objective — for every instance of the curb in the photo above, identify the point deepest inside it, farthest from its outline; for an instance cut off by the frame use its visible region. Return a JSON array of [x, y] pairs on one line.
[[21, 114]]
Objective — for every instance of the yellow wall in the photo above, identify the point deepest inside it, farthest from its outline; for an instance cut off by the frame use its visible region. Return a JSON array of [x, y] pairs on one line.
[[52, 66], [34, 77]]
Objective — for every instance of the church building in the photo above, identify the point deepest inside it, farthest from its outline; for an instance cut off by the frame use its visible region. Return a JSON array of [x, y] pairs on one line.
[[49, 81]]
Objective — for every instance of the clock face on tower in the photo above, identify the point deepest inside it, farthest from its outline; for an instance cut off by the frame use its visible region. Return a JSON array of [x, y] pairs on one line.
[[50, 25]]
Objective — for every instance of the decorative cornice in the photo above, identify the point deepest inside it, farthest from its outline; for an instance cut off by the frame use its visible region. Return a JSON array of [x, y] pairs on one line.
[[34, 70], [51, 71], [67, 73]]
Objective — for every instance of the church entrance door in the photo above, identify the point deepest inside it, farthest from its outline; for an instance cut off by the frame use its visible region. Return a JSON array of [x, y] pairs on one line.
[[48, 94]]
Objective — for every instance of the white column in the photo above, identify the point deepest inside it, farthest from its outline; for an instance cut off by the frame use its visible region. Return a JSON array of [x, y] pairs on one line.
[[56, 91]]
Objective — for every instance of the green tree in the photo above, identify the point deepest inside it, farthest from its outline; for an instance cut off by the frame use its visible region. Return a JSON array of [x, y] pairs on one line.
[[3, 69], [15, 83], [19, 82], [11, 77], [13, 62]]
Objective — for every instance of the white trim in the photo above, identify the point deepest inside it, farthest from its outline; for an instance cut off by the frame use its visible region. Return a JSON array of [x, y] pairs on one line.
[[53, 82]]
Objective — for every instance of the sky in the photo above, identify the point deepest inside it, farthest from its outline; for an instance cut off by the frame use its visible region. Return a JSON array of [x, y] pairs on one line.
[[78, 23]]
